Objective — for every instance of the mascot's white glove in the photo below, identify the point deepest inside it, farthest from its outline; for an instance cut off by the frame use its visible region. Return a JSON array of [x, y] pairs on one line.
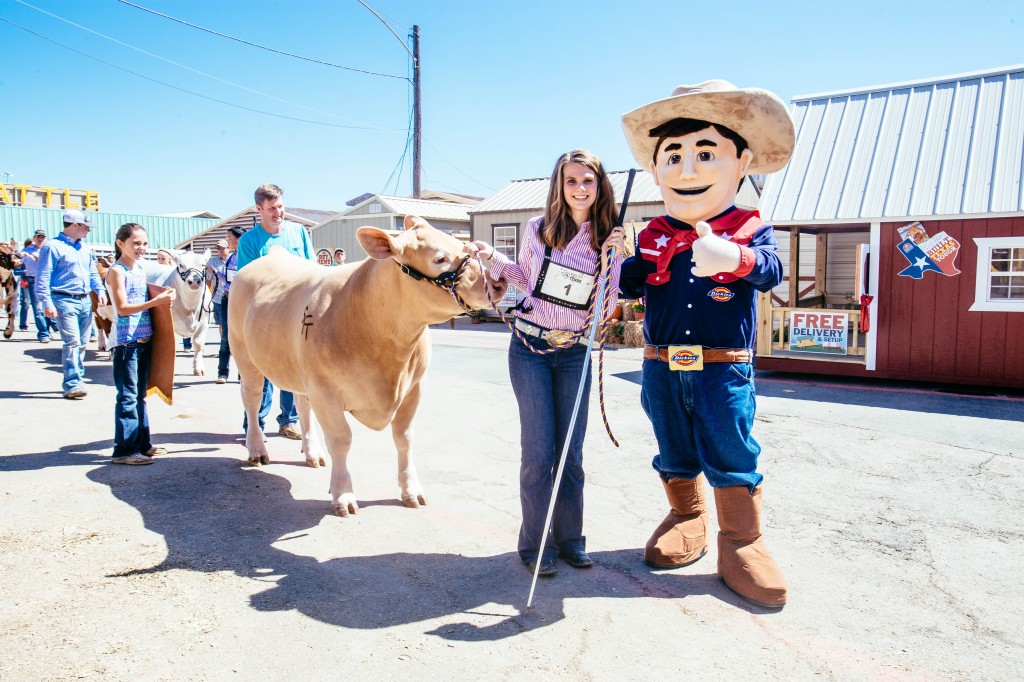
[[711, 254]]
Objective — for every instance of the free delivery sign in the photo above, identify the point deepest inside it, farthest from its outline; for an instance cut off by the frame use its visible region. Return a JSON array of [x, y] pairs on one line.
[[818, 332]]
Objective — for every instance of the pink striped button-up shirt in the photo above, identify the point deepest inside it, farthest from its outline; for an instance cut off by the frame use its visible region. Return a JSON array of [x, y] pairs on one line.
[[577, 254]]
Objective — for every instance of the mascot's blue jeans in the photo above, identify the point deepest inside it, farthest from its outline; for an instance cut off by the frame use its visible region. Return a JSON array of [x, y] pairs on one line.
[[702, 422], [132, 362], [74, 319], [545, 388]]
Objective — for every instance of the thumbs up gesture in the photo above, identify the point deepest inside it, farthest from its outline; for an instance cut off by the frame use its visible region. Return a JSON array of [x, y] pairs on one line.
[[711, 254]]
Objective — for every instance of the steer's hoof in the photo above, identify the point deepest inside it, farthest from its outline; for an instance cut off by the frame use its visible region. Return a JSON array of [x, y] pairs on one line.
[[342, 509], [264, 459], [315, 462], [254, 461], [414, 501]]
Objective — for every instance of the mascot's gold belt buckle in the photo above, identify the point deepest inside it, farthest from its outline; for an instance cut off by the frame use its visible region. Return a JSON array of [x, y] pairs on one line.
[[686, 358], [557, 338]]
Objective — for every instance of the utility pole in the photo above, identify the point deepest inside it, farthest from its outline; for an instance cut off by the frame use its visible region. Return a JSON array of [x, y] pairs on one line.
[[417, 115]]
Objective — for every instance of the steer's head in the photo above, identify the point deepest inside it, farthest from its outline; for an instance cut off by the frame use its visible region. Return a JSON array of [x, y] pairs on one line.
[[191, 268], [439, 258], [9, 259]]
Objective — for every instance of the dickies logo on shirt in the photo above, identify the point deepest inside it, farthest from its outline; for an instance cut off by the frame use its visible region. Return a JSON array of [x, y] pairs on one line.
[[720, 294]]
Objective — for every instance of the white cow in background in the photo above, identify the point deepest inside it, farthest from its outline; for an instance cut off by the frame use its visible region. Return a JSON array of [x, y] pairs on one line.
[[193, 304]]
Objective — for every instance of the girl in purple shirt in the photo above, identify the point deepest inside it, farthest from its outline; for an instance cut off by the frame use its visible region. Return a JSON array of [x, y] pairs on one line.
[[558, 267]]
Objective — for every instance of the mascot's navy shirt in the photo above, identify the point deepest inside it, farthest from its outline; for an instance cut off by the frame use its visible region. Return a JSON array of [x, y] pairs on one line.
[[683, 309]]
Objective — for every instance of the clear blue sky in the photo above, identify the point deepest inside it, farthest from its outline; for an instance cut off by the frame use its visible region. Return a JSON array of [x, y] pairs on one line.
[[507, 86]]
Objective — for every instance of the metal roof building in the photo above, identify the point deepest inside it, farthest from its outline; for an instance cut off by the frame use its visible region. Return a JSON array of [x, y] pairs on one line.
[[913, 194], [941, 147], [388, 213], [20, 222]]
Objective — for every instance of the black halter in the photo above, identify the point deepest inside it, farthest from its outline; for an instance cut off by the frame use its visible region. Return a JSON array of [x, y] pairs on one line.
[[447, 281]]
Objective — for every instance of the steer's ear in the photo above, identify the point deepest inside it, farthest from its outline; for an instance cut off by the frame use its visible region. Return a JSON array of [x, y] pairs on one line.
[[377, 243]]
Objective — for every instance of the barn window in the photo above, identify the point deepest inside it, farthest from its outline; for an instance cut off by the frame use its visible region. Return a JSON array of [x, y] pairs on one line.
[[1000, 278], [374, 208], [505, 244]]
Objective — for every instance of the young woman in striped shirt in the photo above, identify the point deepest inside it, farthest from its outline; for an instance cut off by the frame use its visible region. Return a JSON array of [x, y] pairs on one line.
[[559, 266]]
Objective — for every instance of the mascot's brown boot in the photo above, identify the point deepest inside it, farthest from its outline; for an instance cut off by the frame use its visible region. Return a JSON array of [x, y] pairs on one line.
[[681, 538], [744, 563]]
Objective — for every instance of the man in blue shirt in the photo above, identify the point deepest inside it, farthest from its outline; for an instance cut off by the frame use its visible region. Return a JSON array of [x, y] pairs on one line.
[[30, 257], [67, 272], [274, 230]]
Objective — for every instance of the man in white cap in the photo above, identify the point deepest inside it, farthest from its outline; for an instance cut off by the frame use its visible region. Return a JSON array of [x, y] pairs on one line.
[[67, 272], [701, 268], [217, 275]]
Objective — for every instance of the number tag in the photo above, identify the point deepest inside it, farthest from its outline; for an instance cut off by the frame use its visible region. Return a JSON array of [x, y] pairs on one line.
[[229, 275], [685, 358], [568, 285]]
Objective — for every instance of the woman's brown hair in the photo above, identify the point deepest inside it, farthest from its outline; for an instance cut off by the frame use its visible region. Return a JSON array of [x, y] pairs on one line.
[[559, 228]]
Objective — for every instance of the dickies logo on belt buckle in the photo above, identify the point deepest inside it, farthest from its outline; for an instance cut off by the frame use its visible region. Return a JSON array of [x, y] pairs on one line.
[[557, 338], [685, 358]]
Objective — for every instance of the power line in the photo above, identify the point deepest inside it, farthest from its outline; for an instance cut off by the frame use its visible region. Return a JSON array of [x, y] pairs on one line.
[[472, 179], [190, 92], [262, 47], [183, 66]]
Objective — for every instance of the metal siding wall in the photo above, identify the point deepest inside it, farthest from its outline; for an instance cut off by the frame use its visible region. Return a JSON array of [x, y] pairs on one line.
[[951, 182], [978, 179], [777, 184], [886, 148], [831, 191], [818, 162], [936, 137], [163, 231], [1006, 182], [841, 262], [796, 173], [901, 185], [862, 157]]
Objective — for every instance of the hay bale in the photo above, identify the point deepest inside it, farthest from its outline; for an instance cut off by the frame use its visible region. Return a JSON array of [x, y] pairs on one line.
[[627, 311], [634, 336]]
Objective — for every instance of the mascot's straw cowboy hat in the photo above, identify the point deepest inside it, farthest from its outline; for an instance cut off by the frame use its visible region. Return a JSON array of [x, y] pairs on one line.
[[759, 116]]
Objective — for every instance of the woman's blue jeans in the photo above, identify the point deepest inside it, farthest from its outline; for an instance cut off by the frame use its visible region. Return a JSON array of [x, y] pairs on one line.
[[545, 387], [224, 355], [702, 422], [131, 375]]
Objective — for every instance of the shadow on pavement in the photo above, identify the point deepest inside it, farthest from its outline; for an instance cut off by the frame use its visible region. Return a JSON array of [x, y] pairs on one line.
[[216, 515]]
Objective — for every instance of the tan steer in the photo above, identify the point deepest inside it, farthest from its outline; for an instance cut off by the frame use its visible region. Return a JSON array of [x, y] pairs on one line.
[[350, 339]]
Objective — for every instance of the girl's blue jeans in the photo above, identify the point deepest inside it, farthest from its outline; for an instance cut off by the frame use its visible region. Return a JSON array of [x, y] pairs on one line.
[[131, 374]]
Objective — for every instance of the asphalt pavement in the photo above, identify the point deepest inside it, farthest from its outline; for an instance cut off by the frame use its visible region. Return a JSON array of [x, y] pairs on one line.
[[894, 511]]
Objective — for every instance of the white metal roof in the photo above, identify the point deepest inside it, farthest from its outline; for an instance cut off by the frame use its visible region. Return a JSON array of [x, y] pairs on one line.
[[949, 146], [526, 195], [425, 208]]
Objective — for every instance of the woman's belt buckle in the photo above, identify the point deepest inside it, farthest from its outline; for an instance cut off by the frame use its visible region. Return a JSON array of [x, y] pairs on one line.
[[557, 338]]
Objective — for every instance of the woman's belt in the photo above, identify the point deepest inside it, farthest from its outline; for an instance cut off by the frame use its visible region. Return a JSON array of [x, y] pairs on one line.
[[555, 338], [709, 354]]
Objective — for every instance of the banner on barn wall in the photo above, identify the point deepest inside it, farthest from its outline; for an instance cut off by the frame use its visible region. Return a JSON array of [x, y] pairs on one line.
[[323, 257], [820, 331], [925, 253]]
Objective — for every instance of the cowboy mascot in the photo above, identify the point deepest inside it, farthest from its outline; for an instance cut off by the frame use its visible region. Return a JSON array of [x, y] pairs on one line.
[[700, 269]]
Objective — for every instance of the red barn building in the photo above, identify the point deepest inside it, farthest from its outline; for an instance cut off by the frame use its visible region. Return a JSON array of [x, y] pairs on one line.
[[911, 199]]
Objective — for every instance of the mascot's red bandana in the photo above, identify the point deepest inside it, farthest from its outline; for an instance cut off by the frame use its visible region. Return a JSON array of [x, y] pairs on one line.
[[660, 241]]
